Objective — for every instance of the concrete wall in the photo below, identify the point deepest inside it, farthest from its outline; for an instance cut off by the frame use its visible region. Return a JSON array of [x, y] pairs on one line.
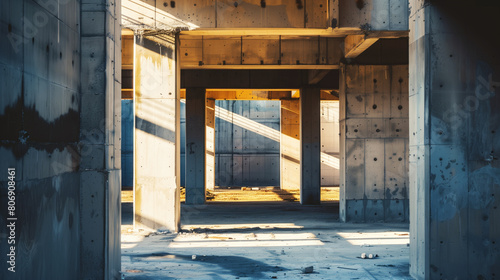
[[374, 143], [60, 129], [247, 143], [127, 143], [229, 14], [230, 172], [374, 14], [454, 141], [244, 156], [156, 149]]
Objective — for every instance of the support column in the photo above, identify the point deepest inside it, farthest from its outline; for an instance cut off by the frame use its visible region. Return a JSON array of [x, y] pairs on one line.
[[210, 144], [454, 141], [195, 145], [374, 143], [156, 135], [290, 144], [310, 152]]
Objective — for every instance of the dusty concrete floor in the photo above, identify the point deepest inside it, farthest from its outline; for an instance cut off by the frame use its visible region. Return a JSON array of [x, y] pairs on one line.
[[265, 240]]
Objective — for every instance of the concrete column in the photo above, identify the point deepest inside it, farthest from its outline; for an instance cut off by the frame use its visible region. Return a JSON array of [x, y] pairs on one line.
[[156, 150], [290, 144], [210, 144], [454, 141], [310, 152], [374, 143], [100, 137], [195, 145]]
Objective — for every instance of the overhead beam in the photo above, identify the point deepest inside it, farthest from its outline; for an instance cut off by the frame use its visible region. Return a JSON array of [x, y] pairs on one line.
[[356, 44], [244, 94], [254, 79], [261, 67], [327, 32]]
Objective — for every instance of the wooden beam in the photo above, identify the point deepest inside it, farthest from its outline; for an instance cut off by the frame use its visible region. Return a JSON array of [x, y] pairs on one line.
[[356, 44], [261, 67]]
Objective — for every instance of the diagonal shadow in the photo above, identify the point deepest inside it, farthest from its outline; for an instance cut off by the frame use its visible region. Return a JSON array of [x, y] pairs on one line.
[[235, 265]]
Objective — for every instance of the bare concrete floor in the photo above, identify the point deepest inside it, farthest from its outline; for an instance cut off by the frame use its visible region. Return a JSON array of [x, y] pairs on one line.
[[265, 240]]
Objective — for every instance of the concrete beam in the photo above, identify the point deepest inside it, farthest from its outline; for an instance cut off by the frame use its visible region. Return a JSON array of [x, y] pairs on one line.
[[255, 79], [260, 52], [195, 145], [310, 152]]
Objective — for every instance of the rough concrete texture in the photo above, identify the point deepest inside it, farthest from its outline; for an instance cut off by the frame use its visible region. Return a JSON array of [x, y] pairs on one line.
[[60, 123], [247, 143], [192, 14], [374, 15], [374, 143], [100, 139], [454, 141], [156, 134], [267, 241], [310, 146]]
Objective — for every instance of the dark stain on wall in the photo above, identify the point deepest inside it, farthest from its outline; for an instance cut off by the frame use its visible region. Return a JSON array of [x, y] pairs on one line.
[[23, 127]]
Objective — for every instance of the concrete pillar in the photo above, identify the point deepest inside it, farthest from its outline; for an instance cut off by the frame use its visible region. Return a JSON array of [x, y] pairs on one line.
[[210, 144], [374, 143], [60, 131], [195, 145], [310, 152], [100, 139], [290, 144], [156, 148], [454, 141]]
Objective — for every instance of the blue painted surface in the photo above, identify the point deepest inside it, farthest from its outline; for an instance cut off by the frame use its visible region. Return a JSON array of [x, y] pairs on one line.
[[127, 143]]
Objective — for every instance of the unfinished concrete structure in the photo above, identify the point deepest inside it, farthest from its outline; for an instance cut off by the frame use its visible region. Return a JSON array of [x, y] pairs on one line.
[[419, 137]]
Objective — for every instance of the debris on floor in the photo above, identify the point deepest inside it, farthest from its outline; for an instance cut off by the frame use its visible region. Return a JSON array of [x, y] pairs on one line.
[[309, 269]]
